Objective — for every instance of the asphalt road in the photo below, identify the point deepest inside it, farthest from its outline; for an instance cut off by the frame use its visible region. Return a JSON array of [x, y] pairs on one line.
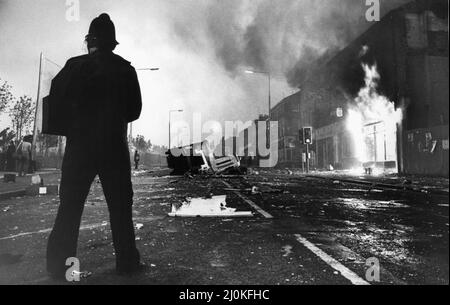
[[304, 231]]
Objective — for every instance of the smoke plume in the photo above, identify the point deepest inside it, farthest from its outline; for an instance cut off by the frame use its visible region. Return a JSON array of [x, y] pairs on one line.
[[283, 37]]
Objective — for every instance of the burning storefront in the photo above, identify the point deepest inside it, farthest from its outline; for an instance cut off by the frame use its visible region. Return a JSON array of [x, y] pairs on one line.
[[382, 102], [372, 122]]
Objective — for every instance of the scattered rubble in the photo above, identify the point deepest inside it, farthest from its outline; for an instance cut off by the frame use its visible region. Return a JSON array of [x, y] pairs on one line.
[[82, 274], [206, 207], [254, 190], [9, 178], [36, 179], [287, 250]]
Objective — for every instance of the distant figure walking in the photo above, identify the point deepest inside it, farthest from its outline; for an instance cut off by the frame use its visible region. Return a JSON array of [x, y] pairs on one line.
[[100, 95], [23, 154], [137, 158]]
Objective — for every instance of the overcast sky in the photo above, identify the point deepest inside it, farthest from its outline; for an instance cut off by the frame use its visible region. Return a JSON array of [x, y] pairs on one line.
[[202, 47]]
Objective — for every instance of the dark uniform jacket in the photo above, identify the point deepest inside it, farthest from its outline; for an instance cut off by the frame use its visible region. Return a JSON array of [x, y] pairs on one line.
[[95, 96]]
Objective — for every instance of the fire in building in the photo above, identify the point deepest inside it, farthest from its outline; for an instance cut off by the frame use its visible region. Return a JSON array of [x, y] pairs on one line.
[[380, 103]]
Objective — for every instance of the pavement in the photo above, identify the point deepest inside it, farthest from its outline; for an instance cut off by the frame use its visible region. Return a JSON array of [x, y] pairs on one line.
[[18, 188], [306, 230], [424, 184], [414, 183]]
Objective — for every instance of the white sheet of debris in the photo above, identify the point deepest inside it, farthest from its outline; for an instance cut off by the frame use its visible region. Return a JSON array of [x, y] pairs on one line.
[[206, 207]]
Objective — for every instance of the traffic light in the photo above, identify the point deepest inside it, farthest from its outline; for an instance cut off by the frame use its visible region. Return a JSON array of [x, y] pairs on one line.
[[301, 136], [307, 135]]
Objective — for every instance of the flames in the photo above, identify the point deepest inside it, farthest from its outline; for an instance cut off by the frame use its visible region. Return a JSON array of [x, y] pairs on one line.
[[370, 107]]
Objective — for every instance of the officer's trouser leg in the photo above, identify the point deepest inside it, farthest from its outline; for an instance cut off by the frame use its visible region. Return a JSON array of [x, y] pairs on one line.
[[118, 191], [62, 244]]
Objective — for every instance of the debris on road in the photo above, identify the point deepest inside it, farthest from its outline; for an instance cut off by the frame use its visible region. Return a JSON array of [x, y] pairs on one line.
[[287, 250], [36, 179], [407, 182], [206, 207], [9, 178], [138, 226], [40, 189], [256, 190], [82, 274]]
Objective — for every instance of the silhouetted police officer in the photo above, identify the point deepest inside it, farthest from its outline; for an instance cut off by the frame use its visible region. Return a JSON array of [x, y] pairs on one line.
[[100, 94]]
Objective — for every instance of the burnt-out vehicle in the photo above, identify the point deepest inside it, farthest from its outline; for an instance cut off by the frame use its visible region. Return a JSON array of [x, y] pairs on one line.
[[200, 158]]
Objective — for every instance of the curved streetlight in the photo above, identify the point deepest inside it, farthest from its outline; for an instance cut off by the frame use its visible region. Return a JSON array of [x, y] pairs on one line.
[[148, 69], [131, 124]]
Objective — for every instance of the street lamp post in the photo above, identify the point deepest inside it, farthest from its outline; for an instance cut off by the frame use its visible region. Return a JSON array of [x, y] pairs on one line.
[[148, 69], [170, 115], [130, 137], [269, 78]]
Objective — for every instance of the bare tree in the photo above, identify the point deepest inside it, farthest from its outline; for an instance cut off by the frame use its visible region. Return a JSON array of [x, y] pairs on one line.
[[6, 96], [141, 144], [22, 115]]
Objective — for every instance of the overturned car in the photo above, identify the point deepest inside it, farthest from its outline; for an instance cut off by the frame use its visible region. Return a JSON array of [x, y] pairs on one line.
[[200, 158]]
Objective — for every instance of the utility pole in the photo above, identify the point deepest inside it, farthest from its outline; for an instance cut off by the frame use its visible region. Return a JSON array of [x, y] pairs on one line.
[[270, 98], [130, 137], [307, 158], [35, 128]]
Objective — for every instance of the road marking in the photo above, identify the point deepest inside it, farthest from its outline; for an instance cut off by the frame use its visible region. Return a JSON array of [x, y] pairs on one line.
[[346, 252], [344, 271], [251, 203], [25, 234], [85, 227]]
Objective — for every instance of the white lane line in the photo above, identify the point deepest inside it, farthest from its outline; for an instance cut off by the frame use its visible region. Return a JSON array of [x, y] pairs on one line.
[[93, 226], [85, 227], [344, 271], [251, 203], [347, 252]]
